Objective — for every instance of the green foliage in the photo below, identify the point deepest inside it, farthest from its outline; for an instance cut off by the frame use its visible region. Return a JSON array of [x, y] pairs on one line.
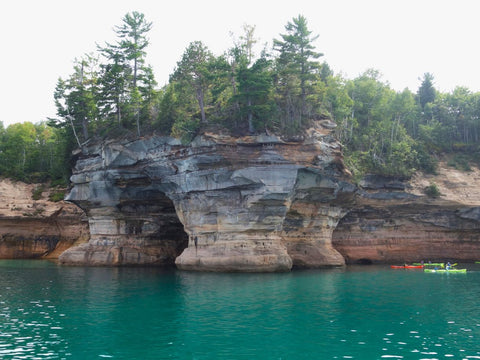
[[425, 161], [460, 162], [32, 153], [426, 92], [297, 75], [37, 192], [194, 73], [76, 98], [185, 129], [254, 97], [119, 91], [56, 196], [383, 131], [282, 91], [432, 191], [374, 127], [168, 109]]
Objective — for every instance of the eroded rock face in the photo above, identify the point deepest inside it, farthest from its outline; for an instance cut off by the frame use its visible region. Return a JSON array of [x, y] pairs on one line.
[[391, 223], [319, 202], [220, 204], [262, 204], [32, 229]]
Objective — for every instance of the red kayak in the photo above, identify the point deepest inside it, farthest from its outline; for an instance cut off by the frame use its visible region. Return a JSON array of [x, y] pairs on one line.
[[406, 266]]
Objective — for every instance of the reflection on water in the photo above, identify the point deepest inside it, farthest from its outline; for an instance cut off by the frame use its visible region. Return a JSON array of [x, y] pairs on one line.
[[52, 312]]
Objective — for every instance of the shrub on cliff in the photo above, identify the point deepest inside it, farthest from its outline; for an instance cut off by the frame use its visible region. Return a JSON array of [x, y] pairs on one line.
[[460, 162], [432, 191], [57, 196], [37, 192]]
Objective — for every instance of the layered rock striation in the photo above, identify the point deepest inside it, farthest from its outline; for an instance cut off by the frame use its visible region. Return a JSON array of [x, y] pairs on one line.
[[257, 203], [394, 222], [261, 204], [37, 228]]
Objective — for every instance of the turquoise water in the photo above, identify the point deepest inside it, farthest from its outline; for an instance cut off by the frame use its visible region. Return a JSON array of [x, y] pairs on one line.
[[370, 312]]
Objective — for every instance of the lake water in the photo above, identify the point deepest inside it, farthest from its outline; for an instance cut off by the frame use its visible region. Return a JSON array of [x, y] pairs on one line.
[[370, 312]]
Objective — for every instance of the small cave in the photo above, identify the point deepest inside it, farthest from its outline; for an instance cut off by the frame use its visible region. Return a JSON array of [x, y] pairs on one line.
[[341, 233], [363, 262], [150, 216]]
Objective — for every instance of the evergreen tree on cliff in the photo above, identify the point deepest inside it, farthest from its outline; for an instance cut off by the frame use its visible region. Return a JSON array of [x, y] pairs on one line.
[[252, 83], [76, 99], [193, 72], [254, 88], [125, 76], [297, 70], [426, 92], [113, 89]]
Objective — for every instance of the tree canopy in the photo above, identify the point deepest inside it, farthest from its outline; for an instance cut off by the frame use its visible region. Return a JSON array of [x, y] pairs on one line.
[[281, 90]]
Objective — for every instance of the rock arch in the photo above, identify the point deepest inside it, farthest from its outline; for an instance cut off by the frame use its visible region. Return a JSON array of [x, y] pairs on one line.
[[137, 226]]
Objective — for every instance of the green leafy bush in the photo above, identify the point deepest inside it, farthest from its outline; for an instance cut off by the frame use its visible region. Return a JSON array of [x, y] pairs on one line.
[[37, 193], [57, 196], [460, 162], [432, 191], [185, 129]]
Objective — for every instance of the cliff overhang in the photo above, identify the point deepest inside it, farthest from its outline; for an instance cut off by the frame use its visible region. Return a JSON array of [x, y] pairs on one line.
[[255, 203], [252, 204]]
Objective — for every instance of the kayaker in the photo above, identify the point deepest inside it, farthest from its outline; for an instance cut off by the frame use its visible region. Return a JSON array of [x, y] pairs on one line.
[[448, 266]]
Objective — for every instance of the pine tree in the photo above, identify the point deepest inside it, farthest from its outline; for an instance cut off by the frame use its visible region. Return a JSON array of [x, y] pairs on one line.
[[296, 68], [125, 76], [426, 91], [76, 97], [193, 70], [254, 89]]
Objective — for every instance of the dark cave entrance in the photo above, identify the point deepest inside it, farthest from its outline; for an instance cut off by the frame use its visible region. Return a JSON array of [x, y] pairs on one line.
[[342, 237], [150, 217]]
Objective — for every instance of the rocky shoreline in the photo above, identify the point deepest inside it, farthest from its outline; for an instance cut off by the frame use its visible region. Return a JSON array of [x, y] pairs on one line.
[[33, 229], [251, 204], [257, 203]]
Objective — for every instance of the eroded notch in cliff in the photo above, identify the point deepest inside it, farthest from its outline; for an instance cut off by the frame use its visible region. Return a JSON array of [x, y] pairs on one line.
[[150, 219]]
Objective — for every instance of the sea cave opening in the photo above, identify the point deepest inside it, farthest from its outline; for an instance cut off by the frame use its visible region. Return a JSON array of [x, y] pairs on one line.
[[150, 215]]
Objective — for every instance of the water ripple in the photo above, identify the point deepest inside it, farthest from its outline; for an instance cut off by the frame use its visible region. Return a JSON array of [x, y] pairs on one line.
[[150, 314]]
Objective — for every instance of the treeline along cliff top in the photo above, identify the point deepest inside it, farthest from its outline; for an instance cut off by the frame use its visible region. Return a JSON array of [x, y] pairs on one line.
[[280, 90]]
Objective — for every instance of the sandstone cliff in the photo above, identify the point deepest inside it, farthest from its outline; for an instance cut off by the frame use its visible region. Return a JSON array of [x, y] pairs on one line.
[[37, 228], [256, 203], [393, 221]]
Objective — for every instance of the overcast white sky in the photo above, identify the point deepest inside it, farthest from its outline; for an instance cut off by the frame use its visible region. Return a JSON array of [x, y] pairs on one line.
[[402, 39]]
